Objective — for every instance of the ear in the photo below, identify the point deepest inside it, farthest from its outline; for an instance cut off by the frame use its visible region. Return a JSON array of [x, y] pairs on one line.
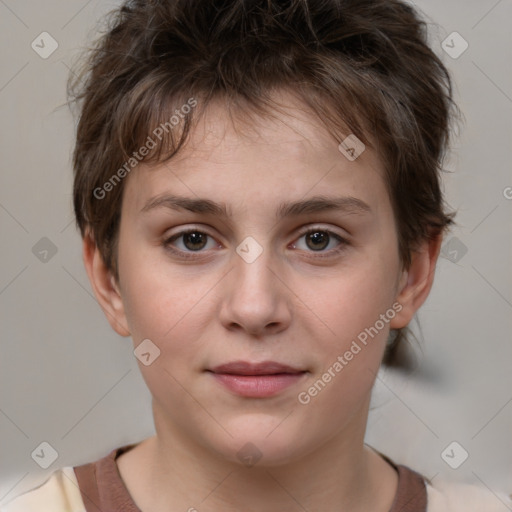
[[416, 282], [104, 286]]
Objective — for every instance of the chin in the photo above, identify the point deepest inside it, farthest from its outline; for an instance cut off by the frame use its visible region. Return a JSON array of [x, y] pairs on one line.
[[262, 440]]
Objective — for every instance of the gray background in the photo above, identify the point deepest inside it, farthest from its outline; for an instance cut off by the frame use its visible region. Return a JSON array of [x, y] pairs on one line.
[[67, 379]]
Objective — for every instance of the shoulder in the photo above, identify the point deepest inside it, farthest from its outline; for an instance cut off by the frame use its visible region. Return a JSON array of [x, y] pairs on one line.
[[58, 493], [446, 496]]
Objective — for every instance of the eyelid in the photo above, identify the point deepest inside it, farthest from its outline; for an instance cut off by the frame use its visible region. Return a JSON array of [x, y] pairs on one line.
[[318, 227]]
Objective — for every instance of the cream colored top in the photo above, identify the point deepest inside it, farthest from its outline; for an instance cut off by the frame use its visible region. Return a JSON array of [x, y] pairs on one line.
[[61, 493]]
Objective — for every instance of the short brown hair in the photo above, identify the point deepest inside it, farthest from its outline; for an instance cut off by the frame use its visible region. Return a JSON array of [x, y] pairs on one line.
[[364, 65]]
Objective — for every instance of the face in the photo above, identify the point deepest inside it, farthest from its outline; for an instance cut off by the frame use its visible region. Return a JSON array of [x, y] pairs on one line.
[[270, 247]]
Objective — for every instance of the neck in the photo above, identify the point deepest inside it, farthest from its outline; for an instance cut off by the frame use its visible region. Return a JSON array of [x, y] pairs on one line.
[[340, 473]]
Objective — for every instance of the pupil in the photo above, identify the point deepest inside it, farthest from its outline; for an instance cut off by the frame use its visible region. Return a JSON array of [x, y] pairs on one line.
[[196, 239], [318, 237]]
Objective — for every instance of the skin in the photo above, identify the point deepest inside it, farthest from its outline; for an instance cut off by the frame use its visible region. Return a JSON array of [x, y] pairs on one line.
[[290, 305]]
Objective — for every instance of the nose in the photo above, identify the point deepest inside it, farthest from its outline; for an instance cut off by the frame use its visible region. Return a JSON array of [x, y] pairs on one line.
[[256, 299]]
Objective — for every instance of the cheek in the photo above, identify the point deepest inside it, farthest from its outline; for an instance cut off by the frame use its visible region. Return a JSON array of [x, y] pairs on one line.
[[154, 297], [355, 310], [350, 351], [174, 311], [351, 301], [170, 318], [165, 312]]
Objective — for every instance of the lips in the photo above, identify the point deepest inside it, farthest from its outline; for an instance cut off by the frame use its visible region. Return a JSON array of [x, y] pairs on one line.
[[256, 380], [246, 368]]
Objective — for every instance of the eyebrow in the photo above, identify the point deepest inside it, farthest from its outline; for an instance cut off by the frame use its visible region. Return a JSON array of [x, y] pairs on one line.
[[346, 204]]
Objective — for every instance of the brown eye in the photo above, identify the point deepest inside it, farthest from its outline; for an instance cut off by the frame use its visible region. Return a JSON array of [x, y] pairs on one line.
[[189, 241], [194, 240], [317, 240], [322, 241]]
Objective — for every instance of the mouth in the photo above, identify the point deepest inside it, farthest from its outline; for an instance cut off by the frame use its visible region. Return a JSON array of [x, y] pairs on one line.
[[256, 380]]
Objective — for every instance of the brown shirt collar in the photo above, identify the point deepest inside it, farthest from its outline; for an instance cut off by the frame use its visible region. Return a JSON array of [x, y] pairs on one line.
[[103, 490]]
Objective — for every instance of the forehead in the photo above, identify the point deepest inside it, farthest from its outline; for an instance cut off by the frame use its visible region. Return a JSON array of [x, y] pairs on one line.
[[238, 158]]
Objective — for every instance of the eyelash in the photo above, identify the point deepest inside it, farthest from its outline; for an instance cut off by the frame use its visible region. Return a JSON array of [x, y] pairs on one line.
[[343, 243]]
